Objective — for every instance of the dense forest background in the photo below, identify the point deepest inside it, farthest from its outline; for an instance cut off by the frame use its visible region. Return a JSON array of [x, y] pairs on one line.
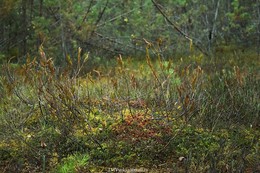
[[129, 86], [108, 28]]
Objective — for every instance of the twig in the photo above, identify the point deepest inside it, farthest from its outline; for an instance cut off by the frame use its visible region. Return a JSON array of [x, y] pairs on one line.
[[86, 14], [101, 14]]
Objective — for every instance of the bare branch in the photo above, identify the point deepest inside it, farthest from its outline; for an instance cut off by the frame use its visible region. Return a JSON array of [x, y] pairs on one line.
[[178, 29]]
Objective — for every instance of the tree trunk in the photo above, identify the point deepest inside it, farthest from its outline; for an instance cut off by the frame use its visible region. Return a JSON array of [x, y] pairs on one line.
[[40, 9], [24, 28], [258, 30], [62, 34], [212, 30]]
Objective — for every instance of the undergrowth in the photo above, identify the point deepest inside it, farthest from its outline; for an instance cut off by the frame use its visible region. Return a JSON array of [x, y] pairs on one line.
[[156, 114]]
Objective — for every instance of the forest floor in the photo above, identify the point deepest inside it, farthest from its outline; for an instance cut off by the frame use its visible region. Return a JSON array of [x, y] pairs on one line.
[[189, 114]]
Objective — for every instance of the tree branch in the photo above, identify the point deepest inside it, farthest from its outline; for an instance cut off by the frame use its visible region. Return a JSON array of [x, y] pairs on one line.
[[178, 29], [101, 14]]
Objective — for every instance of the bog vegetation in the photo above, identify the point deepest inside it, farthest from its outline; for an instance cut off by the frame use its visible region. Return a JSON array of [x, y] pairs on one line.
[[161, 115], [101, 104]]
